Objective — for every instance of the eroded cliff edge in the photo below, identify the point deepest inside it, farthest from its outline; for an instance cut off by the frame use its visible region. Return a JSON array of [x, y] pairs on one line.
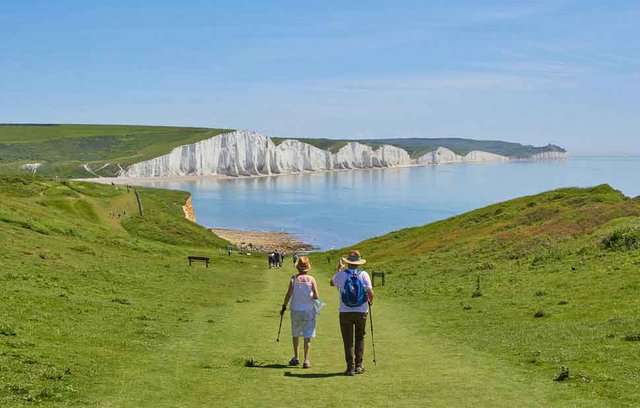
[[247, 153]]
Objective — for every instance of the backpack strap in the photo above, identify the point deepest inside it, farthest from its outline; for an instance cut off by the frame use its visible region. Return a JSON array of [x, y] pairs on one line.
[[355, 272]]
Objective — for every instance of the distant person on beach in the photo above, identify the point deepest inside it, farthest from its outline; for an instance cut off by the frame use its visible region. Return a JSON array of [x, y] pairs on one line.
[[295, 259], [356, 293], [229, 250], [281, 259], [272, 259], [303, 292], [276, 259]]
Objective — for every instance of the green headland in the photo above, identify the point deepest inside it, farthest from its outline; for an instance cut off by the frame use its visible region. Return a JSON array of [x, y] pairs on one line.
[[99, 307]]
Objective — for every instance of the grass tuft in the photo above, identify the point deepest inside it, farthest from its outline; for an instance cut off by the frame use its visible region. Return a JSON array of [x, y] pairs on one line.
[[540, 314], [563, 375], [7, 331], [251, 362]]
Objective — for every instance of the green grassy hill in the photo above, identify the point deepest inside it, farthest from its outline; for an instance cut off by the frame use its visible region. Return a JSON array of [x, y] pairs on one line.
[[559, 275], [64, 149], [99, 307]]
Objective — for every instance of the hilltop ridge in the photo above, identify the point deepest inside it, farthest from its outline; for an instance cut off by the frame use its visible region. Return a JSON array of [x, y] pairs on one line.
[[545, 281]]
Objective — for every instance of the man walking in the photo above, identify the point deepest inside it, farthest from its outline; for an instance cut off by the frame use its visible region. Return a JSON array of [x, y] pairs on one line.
[[356, 293]]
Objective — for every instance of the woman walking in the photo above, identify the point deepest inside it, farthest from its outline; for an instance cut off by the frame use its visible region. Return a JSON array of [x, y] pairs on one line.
[[302, 291]]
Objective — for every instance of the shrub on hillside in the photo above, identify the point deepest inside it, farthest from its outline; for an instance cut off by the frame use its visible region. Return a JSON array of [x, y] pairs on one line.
[[622, 239]]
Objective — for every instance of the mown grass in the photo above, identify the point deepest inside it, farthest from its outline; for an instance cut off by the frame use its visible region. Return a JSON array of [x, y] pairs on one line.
[[64, 149], [99, 307], [560, 276]]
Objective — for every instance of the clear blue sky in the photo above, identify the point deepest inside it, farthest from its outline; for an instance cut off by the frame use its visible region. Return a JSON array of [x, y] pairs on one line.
[[566, 72]]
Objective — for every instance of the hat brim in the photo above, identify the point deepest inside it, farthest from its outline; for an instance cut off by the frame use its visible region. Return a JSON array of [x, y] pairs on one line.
[[360, 262]]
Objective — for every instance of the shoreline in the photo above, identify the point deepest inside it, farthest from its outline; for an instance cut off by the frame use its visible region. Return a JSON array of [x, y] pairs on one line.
[[169, 179], [119, 180], [262, 241], [250, 240]]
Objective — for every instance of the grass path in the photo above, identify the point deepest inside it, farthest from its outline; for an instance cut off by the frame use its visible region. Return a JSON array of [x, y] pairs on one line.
[[237, 320]]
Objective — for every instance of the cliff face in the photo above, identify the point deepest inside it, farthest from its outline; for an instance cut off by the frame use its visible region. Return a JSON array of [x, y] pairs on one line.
[[548, 156], [443, 155], [246, 153], [189, 212]]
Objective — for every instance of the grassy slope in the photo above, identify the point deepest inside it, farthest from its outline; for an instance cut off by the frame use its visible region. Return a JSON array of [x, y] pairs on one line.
[[65, 148], [100, 310], [540, 253]]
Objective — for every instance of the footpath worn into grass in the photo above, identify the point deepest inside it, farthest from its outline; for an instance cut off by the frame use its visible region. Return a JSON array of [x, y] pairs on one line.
[[99, 307]]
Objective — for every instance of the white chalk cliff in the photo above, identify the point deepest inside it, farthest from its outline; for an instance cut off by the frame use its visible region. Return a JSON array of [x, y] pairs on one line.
[[246, 153], [443, 155]]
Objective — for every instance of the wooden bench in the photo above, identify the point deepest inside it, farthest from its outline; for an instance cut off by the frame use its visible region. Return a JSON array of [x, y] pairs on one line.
[[375, 275], [204, 259]]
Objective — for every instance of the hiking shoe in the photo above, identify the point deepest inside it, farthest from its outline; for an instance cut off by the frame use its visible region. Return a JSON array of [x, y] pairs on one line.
[[360, 370], [294, 362], [350, 372], [306, 364]]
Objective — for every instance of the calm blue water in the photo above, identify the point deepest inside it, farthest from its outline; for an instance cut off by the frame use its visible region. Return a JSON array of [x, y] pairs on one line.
[[340, 208]]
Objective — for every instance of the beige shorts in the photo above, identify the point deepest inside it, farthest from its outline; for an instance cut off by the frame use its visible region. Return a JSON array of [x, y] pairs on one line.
[[303, 324]]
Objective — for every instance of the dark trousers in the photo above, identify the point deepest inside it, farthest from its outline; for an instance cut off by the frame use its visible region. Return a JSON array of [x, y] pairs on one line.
[[353, 327]]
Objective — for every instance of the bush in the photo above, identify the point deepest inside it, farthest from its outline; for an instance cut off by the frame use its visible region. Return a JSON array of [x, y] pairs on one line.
[[622, 239]]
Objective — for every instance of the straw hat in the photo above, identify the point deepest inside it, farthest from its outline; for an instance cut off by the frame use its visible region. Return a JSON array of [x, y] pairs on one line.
[[303, 264], [354, 258]]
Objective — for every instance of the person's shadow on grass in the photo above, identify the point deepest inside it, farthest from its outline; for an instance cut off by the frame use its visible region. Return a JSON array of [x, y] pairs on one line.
[[311, 375], [270, 366], [297, 375]]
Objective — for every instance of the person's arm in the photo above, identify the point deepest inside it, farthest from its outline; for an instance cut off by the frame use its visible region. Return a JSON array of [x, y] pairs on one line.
[[369, 285], [340, 268], [314, 289], [287, 297]]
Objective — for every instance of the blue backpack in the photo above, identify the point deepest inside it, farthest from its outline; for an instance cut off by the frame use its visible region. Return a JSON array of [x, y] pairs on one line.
[[354, 293]]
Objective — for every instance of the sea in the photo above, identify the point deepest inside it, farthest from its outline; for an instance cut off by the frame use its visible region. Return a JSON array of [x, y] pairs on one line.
[[341, 208]]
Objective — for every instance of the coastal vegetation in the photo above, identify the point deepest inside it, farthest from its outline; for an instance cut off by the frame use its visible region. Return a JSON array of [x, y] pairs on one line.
[[100, 308], [64, 150]]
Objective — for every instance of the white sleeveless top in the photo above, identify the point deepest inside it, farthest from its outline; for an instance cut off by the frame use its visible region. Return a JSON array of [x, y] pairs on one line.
[[302, 298]]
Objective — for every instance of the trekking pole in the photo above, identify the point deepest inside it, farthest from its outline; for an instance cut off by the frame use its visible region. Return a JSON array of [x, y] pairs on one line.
[[279, 328], [373, 343]]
